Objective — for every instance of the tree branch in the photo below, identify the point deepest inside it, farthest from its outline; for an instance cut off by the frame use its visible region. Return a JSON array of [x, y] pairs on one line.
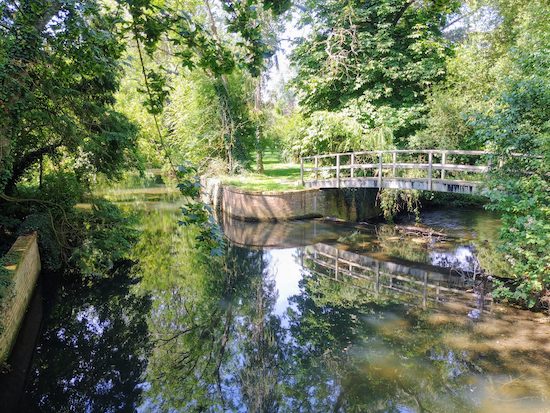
[[402, 12], [26, 161]]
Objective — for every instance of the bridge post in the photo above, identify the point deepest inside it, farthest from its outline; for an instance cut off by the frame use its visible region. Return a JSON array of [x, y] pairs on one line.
[[316, 168], [338, 171], [302, 170], [353, 163], [380, 170], [394, 162], [430, 159], [443, 160]]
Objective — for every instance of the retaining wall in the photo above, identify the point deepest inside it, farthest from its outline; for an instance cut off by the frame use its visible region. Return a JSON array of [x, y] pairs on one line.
[[262, 206], [24, 260]]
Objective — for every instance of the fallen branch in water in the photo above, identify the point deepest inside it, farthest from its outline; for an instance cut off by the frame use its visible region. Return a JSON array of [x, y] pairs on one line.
[[419, 230]]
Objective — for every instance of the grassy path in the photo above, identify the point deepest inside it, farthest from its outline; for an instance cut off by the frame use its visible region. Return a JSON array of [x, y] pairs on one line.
[[278, 176]]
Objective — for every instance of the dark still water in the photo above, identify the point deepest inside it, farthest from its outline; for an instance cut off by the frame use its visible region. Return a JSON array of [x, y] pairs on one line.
[[310, 316]]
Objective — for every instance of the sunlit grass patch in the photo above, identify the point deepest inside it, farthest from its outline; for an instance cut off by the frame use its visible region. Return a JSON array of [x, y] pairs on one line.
[[279, 176]]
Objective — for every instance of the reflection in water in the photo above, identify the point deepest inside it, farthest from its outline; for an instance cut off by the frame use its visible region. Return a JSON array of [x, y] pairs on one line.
[[342, 322], [93, 349], [380, 280]]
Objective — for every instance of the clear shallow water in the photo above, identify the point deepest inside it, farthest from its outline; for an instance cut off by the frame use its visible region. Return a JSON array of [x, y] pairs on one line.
[[327, 317]]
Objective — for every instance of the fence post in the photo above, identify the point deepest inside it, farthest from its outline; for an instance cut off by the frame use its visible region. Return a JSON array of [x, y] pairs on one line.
[[394, 162], [353, 163], [380, 170], [430, 158], [443, 160], [316, 166], [489, 164], [338, 171], [302, 171]]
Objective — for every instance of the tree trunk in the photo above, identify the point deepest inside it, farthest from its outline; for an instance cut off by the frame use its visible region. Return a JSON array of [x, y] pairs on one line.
[[234, 149], [259, 131]]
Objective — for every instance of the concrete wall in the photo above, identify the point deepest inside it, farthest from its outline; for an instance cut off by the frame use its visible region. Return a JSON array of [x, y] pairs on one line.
[[265, 206], [352, 204], [262, 206], [24, 260]]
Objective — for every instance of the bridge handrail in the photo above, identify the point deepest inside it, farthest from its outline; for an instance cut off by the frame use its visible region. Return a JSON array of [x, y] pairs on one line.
[[394, 165], [422, 151]]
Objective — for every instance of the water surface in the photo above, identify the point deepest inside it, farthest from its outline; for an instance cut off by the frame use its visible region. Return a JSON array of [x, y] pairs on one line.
[[309, 316]]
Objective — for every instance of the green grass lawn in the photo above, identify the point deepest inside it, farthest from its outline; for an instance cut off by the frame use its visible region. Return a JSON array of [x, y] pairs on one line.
[[278, 176]]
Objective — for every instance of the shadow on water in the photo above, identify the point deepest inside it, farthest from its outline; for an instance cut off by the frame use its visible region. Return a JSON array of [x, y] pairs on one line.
[[308, 316]]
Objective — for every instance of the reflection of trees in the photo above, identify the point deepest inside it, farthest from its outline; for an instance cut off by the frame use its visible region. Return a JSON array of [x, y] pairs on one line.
[[93, 349], [219, 347], [215, 339], [368, 356], [260, 346]]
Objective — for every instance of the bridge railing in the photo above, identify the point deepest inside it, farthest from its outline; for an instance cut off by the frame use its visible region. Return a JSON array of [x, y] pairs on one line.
[[451, 164]]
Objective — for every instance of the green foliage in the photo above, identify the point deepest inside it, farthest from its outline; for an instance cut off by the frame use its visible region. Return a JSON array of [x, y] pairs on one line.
[[57, 91], [393, 201], [446, 126], [284, 131], [198, 214], [60, 187], [329, 132], [375, 58], [50, 239], [6, 288], [518, 122]]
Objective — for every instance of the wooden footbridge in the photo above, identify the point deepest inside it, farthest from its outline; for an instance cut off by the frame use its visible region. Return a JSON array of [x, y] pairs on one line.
[[464, 172]]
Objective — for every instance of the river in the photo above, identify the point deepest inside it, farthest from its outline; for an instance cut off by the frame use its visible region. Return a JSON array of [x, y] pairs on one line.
[[308, 316]]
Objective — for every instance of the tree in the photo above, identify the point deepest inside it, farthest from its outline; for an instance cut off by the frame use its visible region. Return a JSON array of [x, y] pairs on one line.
[[518, 122], [375, 60], [496, 98], [58, 73], [60, 67]]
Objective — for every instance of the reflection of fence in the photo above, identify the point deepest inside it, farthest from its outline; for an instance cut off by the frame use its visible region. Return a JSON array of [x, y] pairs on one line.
[[391, 280], [387, 169]]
